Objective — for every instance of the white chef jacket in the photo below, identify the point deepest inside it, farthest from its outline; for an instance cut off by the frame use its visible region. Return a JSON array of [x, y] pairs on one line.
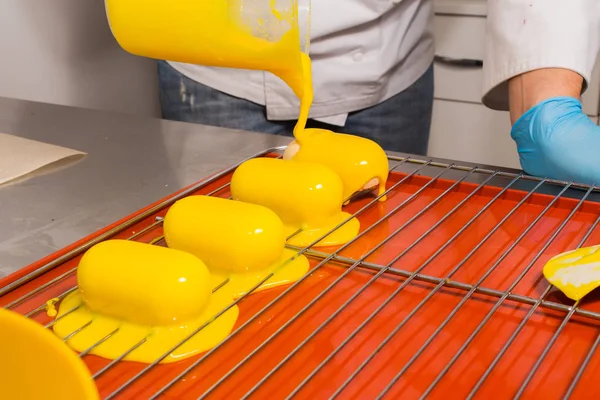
[[366, 51], [363, 52], [525, 35]]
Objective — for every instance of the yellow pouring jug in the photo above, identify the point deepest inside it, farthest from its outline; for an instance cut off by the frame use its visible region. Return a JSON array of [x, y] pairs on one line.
[[38, 365], [247, 34]]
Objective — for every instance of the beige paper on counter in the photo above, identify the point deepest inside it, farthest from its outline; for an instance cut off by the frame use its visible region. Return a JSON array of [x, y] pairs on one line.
[[20, 157]]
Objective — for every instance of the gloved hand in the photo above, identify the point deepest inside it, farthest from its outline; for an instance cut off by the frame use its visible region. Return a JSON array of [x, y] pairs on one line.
[[555, 139]]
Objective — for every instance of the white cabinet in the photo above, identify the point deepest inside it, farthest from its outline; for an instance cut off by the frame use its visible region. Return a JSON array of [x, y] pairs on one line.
[[462, 127], [472, 132]]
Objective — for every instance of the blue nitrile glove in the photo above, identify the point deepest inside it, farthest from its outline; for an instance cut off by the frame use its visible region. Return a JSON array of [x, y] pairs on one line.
[[555, 139]]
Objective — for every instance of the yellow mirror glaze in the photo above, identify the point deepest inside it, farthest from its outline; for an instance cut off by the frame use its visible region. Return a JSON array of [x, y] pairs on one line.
[[142, 292], [576, 273], [306, 196], [238, 241], [355, 159]]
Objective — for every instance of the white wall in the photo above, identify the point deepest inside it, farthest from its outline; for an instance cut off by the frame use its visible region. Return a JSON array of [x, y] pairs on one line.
[[62, 51]]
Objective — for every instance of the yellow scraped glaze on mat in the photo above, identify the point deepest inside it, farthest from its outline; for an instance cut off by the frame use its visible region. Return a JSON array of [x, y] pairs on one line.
[[306, 196], [575, 273]]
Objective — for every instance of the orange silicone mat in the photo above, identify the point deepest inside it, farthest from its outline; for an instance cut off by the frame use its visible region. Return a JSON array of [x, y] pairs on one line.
[[418, 305]]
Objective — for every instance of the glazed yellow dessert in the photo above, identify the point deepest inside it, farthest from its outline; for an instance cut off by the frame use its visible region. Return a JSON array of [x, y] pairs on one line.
[[361, 163], [240, 243], [140, 292], [306, 196], [575, 273]]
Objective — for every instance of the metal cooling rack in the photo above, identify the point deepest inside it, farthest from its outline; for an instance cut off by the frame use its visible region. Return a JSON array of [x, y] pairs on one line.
[[412, 167]]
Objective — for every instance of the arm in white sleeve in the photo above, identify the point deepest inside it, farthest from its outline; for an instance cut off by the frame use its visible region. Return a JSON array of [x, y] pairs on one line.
[[527, 35]]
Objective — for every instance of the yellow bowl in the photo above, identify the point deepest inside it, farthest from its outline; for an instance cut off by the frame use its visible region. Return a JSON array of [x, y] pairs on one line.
[[35, 364]]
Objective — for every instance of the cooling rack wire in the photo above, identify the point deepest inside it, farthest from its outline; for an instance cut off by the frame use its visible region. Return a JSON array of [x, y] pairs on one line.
[[440, 295]]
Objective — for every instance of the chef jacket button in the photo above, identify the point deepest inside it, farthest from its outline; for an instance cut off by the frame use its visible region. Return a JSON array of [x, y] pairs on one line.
[[358, 56]]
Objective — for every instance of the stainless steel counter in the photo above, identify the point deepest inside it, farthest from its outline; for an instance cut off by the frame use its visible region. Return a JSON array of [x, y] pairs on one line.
[[131, 163]]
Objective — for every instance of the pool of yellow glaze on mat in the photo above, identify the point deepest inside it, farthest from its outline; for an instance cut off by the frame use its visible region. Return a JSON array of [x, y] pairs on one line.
[[158, 339], [575, 273]]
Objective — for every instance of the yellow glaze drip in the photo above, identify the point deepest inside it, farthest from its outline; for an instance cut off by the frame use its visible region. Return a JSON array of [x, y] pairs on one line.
[[355, 159], [306, 99], [576, 273], [138, 291], [51, 308], [306, 196]]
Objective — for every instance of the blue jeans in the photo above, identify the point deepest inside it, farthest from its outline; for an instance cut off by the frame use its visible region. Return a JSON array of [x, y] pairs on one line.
[[400, 123]]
